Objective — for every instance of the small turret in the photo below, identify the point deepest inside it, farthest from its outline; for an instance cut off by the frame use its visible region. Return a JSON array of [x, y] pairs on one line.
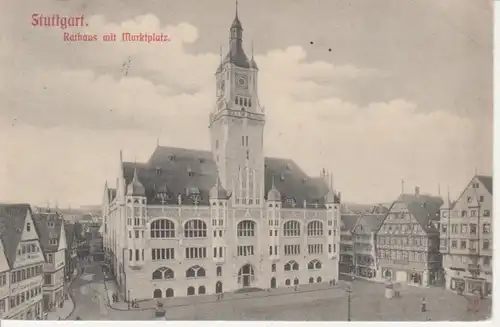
[[274, 194], [218, 192], [135, 188]]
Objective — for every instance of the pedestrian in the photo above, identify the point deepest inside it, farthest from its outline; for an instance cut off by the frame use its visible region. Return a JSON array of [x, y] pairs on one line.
[[424, 305]]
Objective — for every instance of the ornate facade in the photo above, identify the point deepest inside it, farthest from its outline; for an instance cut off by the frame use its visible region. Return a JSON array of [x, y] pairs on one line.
[[467, 238], [408, 241], [191, 222]]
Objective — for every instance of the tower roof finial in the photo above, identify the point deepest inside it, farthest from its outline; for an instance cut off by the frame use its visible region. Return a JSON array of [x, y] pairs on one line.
[[236, 8], [252, 49]]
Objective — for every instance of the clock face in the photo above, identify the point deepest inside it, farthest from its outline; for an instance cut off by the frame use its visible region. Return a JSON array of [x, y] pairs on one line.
[[242, 82]]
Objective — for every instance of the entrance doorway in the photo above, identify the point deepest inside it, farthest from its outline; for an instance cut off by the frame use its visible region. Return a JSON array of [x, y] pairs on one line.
[[246, 275], [273, 282], [218, 288]]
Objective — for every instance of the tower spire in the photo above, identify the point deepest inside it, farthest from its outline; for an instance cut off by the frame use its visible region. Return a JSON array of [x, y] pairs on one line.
[[252, 49], [236, 8]]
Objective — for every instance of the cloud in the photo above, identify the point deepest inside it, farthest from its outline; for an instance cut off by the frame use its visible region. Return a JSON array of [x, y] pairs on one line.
[[63, 123]]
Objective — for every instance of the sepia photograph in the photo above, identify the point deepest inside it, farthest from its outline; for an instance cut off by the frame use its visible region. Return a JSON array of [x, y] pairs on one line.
[[246, 160]]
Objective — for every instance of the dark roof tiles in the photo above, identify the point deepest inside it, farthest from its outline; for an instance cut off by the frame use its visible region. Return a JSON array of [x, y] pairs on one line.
[[348, 222], [487, 181], [188, 172], [12, 220], [424, 208], [49, 227]]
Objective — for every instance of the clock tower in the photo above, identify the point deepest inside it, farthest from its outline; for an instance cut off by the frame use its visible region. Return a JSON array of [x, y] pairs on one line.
[[237, 124]]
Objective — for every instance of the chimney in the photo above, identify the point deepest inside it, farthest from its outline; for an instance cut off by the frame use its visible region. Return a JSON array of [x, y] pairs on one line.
[[417, 190]]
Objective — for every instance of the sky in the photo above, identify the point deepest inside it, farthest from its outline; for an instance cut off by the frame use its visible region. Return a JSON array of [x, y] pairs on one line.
[[389, 90]]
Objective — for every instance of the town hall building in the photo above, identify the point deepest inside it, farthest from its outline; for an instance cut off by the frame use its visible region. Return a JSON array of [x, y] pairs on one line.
[[191, 222]]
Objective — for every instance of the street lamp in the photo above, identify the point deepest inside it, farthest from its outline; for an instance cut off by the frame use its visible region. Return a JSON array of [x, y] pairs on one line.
[[349, 292], [128, 297]]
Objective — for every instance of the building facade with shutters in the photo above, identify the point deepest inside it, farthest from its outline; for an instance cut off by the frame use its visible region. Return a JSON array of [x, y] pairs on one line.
[[346, 243], [189, 222], [365, 245], [467, 238], [50, 227], [21, 264], [408, 241]]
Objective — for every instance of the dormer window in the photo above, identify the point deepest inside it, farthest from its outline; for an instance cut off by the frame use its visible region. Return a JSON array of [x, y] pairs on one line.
[[202, 160], [51, 224], [53, 241], [171, 158], [28, 227], [190, 172], [304, 180], [282, 177], [158, 171], [288, 167], [290, 201]]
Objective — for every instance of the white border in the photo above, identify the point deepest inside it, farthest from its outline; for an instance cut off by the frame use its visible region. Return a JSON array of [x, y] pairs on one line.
[[496, 242]]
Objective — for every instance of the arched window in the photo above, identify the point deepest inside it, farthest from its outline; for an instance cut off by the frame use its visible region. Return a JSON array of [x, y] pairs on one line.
[[273, 267], [162, 228], [163, 273], [169, 292], [318, 280], [311, 280], [195, 228], [246, 228], [315, 228], [287, 282], [190, 290], [296, 281], [314, 264], [291, 265], [195, 271], [219, 271], [291, 228], [157, 294], [201, 290]]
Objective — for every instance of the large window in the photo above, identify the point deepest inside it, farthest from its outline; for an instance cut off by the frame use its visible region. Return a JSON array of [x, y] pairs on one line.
[[162, 254], [315, 228], [163, 273], [292, 249], [246, 228], [162, 228], [314, 264], [245, 250], [291, 265], [195, 228], [196, 253], [195, 271], [291, 228]]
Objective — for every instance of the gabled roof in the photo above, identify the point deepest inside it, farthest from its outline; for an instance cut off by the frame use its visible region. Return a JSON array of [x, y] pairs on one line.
[[12, 219], [47, 233], [424, 208], [179, 171], [369, 223], [487, 181], [348, 222]]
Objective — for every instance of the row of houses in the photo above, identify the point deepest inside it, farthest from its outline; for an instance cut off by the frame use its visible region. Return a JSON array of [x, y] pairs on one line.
[[423, 240], [37, 254]]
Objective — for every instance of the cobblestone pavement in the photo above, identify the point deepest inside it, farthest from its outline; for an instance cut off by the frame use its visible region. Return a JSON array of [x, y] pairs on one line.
[[367, 304]]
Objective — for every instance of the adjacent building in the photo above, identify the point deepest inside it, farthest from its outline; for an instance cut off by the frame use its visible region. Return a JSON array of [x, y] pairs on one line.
[[189, 222], [365, 244], [346, 243], [467, 238], [50, 227], [408, 241], [71, 260], [21, 264]]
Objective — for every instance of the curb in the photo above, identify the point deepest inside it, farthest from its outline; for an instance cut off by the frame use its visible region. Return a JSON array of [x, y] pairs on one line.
[[212, 301]]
